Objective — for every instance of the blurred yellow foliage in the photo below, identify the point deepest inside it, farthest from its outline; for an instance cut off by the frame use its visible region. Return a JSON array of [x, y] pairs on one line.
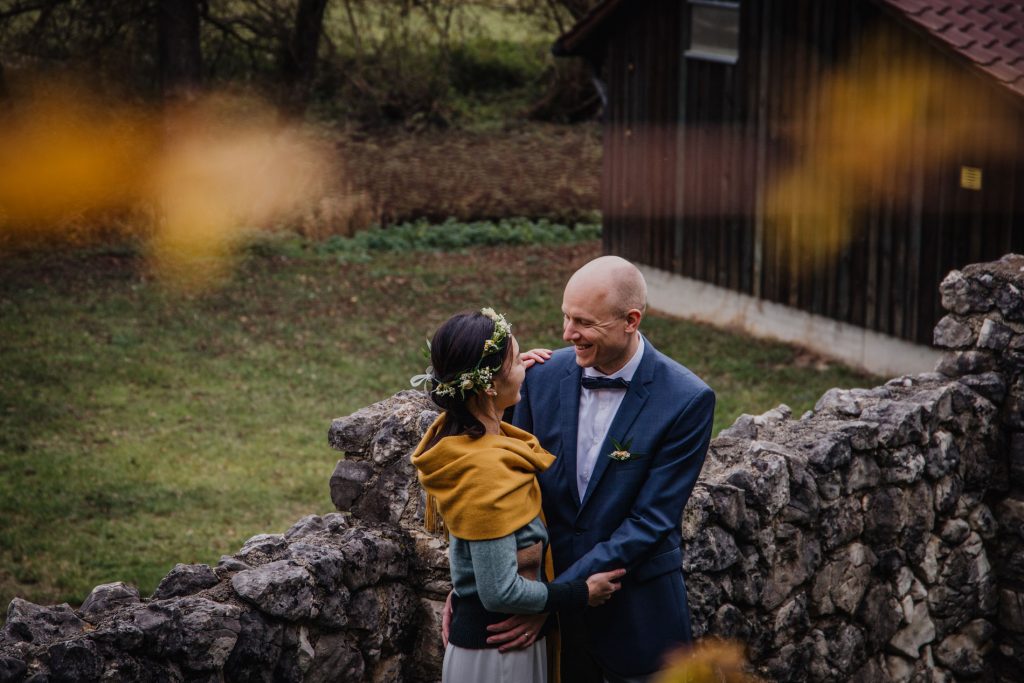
[[204, 171], [891, 109], [711, 660]]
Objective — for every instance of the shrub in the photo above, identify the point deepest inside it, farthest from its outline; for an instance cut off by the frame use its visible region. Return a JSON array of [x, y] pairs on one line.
[[453, 235]]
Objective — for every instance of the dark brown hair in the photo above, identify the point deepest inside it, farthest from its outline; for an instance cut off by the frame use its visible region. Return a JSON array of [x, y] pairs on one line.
[[456, 348]]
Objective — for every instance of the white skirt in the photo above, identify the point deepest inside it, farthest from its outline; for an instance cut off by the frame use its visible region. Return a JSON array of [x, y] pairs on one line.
[[517, 666]]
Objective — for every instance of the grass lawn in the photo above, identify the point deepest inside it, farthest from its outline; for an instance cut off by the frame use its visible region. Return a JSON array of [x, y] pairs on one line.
[[140, 427]]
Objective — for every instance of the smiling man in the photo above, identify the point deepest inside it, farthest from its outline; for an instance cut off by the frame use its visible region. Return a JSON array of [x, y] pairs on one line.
[[629, 428]]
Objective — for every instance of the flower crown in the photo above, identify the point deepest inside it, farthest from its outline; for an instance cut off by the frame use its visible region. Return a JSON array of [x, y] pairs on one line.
[[477, 379]]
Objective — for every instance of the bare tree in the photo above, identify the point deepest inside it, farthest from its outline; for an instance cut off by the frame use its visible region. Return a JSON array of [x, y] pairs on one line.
[[180, 58], [299, 56]]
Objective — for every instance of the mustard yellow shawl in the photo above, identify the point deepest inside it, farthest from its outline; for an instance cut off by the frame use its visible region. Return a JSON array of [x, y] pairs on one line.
[[484, 488]]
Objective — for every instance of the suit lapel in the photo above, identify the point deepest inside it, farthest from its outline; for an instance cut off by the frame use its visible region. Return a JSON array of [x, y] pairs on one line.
[[632, 403], [569, 411]]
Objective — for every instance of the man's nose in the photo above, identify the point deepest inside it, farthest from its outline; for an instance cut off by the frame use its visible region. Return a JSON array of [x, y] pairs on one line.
[[569, 332]]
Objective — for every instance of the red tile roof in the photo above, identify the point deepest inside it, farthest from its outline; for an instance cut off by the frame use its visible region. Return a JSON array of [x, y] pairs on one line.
[[990, 33]]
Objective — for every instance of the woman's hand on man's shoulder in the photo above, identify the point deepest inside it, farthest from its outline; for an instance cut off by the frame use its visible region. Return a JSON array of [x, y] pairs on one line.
[[533, 356]]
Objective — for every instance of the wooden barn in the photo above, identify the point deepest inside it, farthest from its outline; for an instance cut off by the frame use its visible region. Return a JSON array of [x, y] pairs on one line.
[[810, 170]]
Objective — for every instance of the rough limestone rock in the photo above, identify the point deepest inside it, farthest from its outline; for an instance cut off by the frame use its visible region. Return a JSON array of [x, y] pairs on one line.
[[878, 537]]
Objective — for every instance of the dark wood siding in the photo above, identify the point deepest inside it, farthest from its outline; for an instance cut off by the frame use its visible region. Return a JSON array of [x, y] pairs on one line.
[[693, 148]]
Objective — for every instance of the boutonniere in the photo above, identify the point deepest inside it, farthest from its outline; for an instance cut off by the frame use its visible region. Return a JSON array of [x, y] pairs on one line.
[[621, 452]]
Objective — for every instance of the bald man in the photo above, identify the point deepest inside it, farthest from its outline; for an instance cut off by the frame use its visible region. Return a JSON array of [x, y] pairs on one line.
[[630, 429]]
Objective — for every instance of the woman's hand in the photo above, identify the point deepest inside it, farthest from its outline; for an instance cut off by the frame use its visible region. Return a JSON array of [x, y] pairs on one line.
[[446, 619], [600, 586], [535, 356]]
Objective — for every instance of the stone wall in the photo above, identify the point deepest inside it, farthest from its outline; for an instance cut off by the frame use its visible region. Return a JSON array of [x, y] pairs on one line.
[[878, 537]]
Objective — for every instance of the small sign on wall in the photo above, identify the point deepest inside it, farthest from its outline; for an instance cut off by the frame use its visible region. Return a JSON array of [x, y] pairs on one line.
[[970, 178]]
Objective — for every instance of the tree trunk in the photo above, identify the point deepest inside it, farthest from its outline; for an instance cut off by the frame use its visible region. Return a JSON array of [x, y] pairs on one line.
[[180, 56], [5, 94], [298, 59]]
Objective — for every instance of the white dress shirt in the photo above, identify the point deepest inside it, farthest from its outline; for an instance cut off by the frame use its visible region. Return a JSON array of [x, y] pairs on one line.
[[597, 410]]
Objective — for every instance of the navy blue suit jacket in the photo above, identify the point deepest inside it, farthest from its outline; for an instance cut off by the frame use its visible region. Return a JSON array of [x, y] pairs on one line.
[[630, 514]]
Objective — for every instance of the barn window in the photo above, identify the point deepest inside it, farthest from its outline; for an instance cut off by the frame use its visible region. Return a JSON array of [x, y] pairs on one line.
[[714, 30]]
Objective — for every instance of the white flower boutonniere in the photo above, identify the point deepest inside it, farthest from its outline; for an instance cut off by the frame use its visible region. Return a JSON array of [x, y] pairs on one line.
[[621, 452]]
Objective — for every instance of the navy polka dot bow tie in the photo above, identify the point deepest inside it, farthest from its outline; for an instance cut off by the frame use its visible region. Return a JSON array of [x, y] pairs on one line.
[[605, 383]]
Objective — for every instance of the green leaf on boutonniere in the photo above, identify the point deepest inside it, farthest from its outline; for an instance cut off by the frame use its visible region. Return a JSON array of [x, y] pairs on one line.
[[621, 451]]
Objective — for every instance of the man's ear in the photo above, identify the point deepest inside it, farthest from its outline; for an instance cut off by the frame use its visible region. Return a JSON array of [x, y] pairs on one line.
[[633, 317]]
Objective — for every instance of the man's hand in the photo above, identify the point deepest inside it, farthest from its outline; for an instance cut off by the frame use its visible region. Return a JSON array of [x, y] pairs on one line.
[[517, 632], [446, 619], [535, 356]]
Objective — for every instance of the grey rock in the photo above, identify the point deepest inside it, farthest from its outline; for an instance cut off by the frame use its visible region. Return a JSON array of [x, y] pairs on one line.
[[885, 515], [839, 401], [336, 657], [742, 428], [119, 635], [730, 507], [307, 526], [863, 473], [386, 500], [841, 522], [920, 631], [348, 482], [263, 548], [952, 333], [862, 435], [326, 564], [1016, 458], [282, 589], [210, 630], [947, 492], [107, 596], [790, 622], [796, 559], [1010, 300], [370, 558], [899, 422], [75, 660], [257, 649], [964, 295], [804, 500], [40, 625], [12, 669], [229, 565], [880, 610], [989, 384], [841, 645], [828, 451], [698, 511], [777, 414], [185, 579], [841, 582], [903, 465], [943, 456], [955, 531], [730, 622], [764, 478], [1011, 610], [429, 649], [336, 522], [1013, 409], [964, 652], [958, 363], [380, 613], [713, 550], [983, 522]]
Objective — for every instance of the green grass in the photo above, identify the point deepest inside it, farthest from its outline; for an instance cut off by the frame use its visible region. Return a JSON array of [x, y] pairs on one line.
[[140, 427]]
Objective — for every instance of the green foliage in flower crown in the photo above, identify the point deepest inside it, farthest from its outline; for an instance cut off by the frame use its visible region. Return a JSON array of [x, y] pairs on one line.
[[453, 235], [477, 379]]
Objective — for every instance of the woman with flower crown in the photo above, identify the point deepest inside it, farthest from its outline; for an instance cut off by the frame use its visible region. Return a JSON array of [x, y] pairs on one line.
[[480, 475]]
